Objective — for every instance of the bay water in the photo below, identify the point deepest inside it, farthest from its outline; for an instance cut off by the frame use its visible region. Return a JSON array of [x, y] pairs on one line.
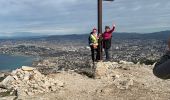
[[10, 62]]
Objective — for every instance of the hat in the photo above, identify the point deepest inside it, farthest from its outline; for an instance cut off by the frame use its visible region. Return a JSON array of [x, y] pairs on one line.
[[94, 29], [107, 27]]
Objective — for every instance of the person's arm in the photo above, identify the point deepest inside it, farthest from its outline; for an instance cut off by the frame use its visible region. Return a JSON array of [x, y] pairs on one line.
[[112, 30], [99, 35]]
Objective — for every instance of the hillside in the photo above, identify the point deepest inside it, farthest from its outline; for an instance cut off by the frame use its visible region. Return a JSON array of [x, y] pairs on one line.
[[113, 81], [163, 35]]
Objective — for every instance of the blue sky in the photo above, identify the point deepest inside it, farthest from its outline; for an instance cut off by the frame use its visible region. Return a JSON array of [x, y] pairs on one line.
[[49, 17]]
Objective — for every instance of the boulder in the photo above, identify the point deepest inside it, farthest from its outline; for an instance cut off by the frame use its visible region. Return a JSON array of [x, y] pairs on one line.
[[106, 69], [112, 72], [101, 70], [6, 83]]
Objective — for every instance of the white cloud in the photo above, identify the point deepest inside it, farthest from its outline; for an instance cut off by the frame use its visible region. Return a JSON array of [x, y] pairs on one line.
[[136, 8], [78, 16]]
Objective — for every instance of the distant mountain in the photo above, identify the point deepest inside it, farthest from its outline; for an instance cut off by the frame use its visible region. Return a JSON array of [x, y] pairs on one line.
[[20, 35], [163, 35]]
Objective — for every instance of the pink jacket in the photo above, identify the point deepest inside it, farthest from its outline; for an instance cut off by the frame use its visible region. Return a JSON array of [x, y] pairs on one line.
[[108, 35]]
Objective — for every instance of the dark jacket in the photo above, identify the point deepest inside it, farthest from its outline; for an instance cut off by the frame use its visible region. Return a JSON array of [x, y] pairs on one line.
[[162, 67], [163, 59], [107, 43], [108, 35]]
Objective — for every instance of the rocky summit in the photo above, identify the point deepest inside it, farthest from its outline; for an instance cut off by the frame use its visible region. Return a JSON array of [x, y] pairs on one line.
[[28, 81], [113, 81]]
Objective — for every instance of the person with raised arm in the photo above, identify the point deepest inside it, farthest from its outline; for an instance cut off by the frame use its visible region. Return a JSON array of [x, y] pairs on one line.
[[107, 39]]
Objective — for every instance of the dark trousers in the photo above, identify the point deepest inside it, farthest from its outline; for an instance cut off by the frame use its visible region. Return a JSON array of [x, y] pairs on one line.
[[94, 53], [107, 53], [163, 70], [107, 46]]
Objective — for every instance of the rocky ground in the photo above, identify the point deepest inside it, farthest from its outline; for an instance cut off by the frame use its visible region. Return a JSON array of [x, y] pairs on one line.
[[112, 81]]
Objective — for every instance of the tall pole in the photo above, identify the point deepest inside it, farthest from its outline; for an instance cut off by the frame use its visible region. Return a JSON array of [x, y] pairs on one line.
[[99, 4], [100, 28], [100, 16]]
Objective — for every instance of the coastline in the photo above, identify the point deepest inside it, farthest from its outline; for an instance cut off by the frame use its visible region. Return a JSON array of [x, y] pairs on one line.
[[17, 54], [20, 60]]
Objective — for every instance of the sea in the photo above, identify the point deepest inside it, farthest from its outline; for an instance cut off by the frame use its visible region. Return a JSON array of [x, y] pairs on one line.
[[11, 62]]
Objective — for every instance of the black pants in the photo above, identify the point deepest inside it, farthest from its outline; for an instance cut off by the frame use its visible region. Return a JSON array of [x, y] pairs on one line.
[[94, 53], [107, 53], [163, 70], [107, 46]]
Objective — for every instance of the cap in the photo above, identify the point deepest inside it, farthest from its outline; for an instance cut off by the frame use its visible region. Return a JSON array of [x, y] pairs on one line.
[[107, 27]]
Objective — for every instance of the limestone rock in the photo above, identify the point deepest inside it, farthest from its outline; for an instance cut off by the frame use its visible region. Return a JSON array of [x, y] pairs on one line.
[[2, 75], [101, 70], [106, 69], [8, 98], [29, 81], [6, 83], [123, 83], [26, 68], [125, 62], [3, 90], [112, 72]]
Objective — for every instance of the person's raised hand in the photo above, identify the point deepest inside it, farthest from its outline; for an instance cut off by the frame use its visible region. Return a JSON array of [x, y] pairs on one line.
[[114, 25]]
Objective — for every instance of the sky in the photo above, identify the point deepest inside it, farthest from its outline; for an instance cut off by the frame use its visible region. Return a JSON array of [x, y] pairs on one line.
[[55, 17]]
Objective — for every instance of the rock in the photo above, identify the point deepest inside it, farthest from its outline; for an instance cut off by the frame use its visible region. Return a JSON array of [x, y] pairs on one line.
[[15, 77], [27, 68], [8, 98], [6, 83], [106, 69], [29, 81], [3, 90], [125, 62], [112, 73], [7, 92], [27, 75], [2, 75], [123, 83], [101, 70], [30, 93], [14, 72], [60, 84], [114, 63], [53, 88]]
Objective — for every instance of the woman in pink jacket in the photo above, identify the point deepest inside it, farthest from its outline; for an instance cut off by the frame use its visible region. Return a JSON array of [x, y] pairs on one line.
[[107, 39]]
